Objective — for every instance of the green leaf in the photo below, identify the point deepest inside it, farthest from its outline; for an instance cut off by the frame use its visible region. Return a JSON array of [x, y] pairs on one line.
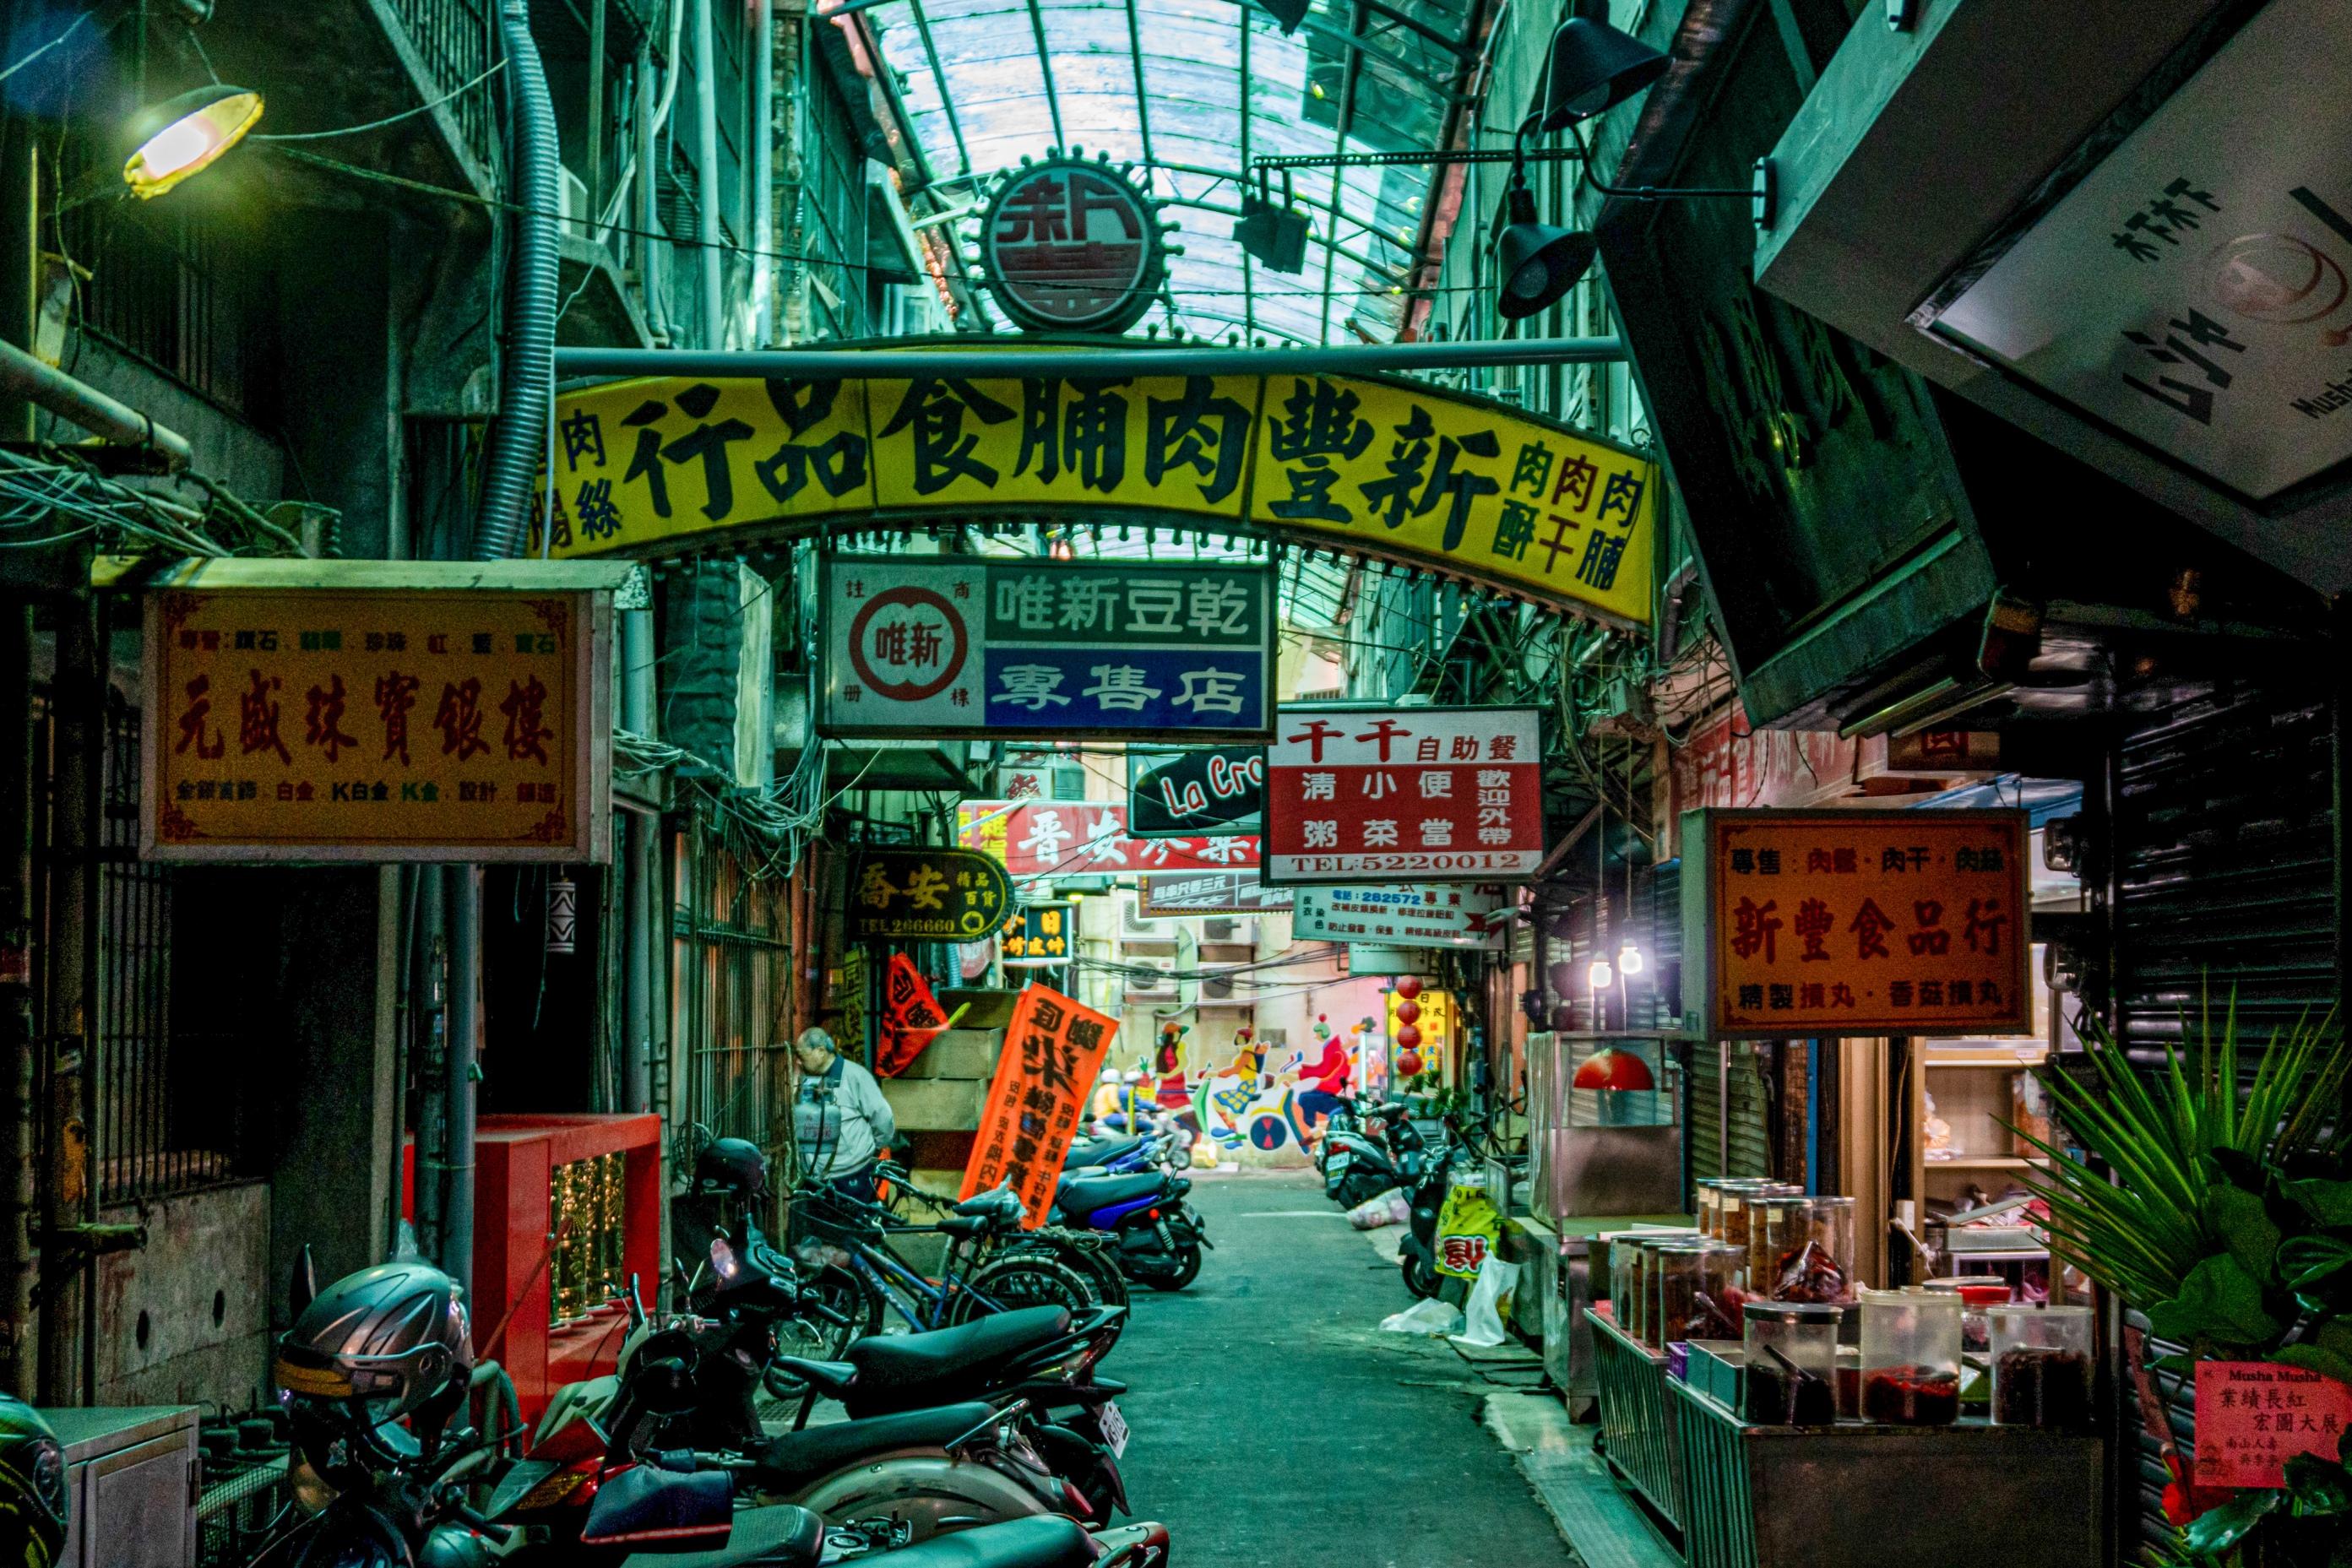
[[2237, 1218], [2328, 1202], [2315, 1358], [2318, 1486], [2305, 1261], [2179, 1365], [2216, 1531], [2218, 1300]]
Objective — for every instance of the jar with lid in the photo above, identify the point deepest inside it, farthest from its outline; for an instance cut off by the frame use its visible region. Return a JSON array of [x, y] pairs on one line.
[[1708, 1198], [1731, 1220], [1771, 1214], [1812, 1241], [1791, 1364], [1694, 1281], [1910, 1357], [2042, 1366], [1631, 1312]]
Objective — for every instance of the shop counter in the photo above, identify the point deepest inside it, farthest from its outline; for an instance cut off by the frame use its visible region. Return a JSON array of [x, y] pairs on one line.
[[1641, 1443]]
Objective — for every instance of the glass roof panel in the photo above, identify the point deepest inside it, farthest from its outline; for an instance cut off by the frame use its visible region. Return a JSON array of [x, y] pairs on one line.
[[1355, 79]]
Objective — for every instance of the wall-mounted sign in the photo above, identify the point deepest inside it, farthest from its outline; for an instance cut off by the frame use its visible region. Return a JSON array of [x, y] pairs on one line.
[[1070, 246], [1403, 916], [962, 646], [909, 894], [2253, 1417], [1388, 469], [1194, 793], [2191, 289], [1039, 935], [1053, 1049], [369, 711], [1855, 923], [1086, 838], [1430, 794], [1210, 893]]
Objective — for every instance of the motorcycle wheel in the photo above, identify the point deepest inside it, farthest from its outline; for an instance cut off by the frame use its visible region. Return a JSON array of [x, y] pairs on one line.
[[1187, 1270], [845, 1291], [1091, 1263], [1020, 1280], [1419, 1278]]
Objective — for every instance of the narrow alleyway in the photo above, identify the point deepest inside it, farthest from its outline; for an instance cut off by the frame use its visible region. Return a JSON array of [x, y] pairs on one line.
[[1276, 1427]]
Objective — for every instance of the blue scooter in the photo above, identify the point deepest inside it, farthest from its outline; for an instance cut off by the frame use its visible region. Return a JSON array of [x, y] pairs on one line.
[[1158, 1234]]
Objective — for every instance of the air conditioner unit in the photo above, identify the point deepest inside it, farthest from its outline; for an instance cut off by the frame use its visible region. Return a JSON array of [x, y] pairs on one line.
[[1158, 985], [1217, 988], [1219, 930]]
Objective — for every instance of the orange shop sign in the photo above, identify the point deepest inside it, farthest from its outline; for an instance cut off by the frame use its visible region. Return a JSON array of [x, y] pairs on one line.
[[1053, 1049], [1855, 923], [377, 711]]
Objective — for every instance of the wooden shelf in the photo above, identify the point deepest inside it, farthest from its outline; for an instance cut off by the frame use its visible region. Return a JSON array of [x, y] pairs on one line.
[[1986, 1163]]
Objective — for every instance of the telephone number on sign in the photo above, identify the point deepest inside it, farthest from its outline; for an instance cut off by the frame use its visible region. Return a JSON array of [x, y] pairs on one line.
[[1466, 860]]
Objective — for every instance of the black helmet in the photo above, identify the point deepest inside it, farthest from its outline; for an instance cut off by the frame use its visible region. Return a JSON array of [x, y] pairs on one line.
[[732, 1166], [377, 1346], [33, 1506]]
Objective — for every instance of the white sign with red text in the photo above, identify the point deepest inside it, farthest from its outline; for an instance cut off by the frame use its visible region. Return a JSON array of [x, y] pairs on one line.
[[1429, 794], [1403, 916], [1086, 838]]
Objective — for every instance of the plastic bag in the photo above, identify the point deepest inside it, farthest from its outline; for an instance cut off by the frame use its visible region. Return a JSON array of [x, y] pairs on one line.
[[1467, 1228], [1389, 1208], [1490, 1302], [1434, 1318]]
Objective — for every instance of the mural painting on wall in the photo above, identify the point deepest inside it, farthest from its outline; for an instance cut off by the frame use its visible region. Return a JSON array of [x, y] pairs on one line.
[[1261, 1105]]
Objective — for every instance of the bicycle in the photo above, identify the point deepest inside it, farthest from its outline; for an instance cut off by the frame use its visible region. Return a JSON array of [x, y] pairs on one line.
[[1089, 1254]]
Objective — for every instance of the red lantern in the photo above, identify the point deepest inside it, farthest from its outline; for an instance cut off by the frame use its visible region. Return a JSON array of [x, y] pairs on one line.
[[1409, 988], [1407, 1038], [1408, 1062], [1408, 1013], [1614, 1070]]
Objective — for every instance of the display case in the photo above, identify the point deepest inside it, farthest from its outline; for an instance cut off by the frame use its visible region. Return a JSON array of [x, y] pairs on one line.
[[1604, 1125]]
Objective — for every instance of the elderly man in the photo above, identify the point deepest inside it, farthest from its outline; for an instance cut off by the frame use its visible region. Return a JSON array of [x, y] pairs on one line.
[[839, 1117]]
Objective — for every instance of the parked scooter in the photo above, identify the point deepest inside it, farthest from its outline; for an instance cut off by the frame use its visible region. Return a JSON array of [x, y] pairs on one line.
[[1361, 1164], [1160, 1236], [1428, 1177]]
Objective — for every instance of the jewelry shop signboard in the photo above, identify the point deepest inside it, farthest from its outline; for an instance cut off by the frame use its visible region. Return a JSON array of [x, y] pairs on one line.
[[962, 647], [375, 711], [1855, 923], [1421, 794]]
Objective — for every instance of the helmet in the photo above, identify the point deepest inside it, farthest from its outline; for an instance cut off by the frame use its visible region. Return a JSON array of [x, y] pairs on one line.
[[733, 1166], [380, 1344], [33, 1504]]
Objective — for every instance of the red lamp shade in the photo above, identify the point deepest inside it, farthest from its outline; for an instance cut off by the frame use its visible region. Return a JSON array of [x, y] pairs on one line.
[[1408, 1062], [1409, 987], [1408, 1013], [1614, 1070], [1408, 1038]]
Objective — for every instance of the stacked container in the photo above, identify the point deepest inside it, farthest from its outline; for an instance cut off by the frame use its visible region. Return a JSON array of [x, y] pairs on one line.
[[1910, 1357], [2041, 1367], [1790, 1364], [1693, 1281]]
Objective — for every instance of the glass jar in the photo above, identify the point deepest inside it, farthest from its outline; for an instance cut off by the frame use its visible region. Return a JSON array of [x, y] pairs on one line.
[[1731, 1220], [1812, 1240], [1790, 1374], [1771, 1217], [1693, 1282], [1910, 1357], [1707, 1199], [2041, 1367], [1631, 1313], [1643, 1286], [1979, 1294]]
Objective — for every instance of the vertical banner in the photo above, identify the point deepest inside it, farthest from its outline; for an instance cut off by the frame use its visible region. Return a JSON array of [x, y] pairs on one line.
[[1053, 1049]]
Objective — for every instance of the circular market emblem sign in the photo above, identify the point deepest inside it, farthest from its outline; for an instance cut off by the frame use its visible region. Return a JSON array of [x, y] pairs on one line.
[[907, 644], [1072, 246]]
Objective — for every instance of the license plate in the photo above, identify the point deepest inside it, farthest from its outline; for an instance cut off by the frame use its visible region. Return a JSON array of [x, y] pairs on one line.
[[1339, 1162], [1114, 1428]]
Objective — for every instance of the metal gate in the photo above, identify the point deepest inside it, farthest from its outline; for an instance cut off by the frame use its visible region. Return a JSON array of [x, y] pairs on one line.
[[728, 986]]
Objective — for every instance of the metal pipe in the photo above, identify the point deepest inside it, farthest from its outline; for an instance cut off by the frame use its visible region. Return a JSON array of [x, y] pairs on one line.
[[465, 911], [1062, 360], [638, 902], [649, 252], [707, 222], [433, 1067], [596, 47], [764, 241], [36, 381], [517, 438]]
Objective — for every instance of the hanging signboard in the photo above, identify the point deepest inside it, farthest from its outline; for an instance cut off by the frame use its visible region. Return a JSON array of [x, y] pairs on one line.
[[1053, 1050], [922, 895], [1210, 893], [377, 711], [1072, 246], [1195, 793], [1389, 469], [1403, 916], [1855, 923], [1086, 838], [1429, 794], [973, 648], [1039, 935]]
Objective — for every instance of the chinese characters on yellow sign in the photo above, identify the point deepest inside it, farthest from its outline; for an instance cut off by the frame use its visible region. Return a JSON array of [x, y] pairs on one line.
[[369, 723], [916, 895], [1389, 467], [1858, 923]]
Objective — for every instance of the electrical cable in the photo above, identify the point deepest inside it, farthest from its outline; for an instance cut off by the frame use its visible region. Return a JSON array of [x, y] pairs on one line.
[[387, 119]]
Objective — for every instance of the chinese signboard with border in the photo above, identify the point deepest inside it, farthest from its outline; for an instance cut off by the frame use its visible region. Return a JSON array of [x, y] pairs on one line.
[[2254, 1415], [1086, 838], [973, 648], [1428, 794], [1385, 468], [1403, 916], [1855, 923], [1053, 1049], [1039, 936], [1195, 793], [925, 894], [376, 711], [1210, 893], [1069, 245]]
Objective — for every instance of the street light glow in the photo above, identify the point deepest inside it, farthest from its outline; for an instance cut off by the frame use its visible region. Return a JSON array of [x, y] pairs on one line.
[[184, 135]]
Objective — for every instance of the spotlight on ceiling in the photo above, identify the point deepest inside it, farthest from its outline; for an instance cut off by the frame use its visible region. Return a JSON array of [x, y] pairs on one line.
[[1539, 263], [184, 136], [1273, 233], [1594, 67]]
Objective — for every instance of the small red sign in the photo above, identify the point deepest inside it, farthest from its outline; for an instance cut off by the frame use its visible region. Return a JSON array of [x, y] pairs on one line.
[[1420, 794], [2254, 1415]]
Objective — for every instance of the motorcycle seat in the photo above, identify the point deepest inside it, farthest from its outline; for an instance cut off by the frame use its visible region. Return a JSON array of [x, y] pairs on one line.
[[1100, 1151], [781, 1536], [1085, 1195], [1042, 1541], [798, 1457], [888, 1364], [997, 1202]]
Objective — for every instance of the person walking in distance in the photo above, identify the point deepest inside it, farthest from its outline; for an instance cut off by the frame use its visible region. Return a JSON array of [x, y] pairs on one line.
[[843, 1123]]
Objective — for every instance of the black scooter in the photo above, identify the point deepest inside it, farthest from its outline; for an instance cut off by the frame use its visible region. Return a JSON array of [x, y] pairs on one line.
[[1426, 1175], [1361, 1164]]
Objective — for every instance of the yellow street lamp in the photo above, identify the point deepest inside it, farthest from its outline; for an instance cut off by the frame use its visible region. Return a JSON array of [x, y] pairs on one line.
[[184, 135]]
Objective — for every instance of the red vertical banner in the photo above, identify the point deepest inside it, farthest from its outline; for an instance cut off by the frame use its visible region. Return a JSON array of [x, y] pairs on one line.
[[1052, 1049]]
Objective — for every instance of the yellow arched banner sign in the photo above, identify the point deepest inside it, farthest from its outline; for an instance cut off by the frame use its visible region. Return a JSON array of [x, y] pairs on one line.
[[1372, 465]]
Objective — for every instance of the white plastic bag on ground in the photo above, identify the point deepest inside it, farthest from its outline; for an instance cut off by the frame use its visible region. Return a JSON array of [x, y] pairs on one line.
[[1495, 1280], [1389, 1208], [1433, 1318]]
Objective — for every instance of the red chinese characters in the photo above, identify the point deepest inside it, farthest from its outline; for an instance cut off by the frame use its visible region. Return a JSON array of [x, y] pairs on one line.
[[1432, 794]]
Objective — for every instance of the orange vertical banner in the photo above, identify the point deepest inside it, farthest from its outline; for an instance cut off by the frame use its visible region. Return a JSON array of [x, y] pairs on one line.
[[1052, 1049]]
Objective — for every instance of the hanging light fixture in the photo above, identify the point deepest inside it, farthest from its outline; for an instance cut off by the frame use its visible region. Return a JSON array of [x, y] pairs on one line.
[[185, 135], [1601, 975]]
